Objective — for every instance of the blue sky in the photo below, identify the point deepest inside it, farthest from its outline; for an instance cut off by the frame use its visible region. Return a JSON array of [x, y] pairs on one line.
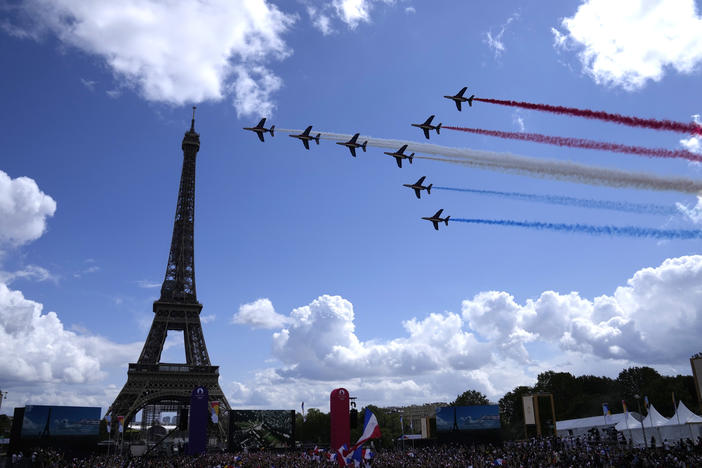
[[314, 268]]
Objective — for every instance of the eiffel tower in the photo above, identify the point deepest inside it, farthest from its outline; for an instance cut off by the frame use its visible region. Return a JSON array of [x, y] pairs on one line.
[[149, 380]]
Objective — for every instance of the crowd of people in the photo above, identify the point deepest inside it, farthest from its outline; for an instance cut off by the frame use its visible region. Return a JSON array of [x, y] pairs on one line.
[[543, 452]]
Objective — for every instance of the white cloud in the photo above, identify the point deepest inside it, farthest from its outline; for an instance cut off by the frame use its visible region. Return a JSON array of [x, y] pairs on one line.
[[146, 284], [410, 10], [495, 43], [353, 12], [259, 314], [36, 347], [518, 121], [693, 213], [654, 319], [30, 272], [209, 318], [320, 343], [90, 84], [23, 210], [627, 43], [693, 143], [177, 51], [320, 20]]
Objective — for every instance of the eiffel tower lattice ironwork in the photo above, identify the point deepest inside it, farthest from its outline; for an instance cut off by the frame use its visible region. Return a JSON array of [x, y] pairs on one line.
[[149, 380]]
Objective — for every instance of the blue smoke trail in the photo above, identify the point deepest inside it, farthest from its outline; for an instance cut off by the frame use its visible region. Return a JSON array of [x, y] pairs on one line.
[[625, 231], [640, 208]]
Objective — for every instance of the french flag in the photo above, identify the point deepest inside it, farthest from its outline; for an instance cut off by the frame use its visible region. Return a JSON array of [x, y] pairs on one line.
[[371, 430]]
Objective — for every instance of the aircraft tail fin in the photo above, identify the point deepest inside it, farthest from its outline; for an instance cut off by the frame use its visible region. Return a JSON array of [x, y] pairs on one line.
[[446, 220], [317, 138], [272, 129], [438, 127], [363, 146], [470, 100], [410, 157], [429, 189]]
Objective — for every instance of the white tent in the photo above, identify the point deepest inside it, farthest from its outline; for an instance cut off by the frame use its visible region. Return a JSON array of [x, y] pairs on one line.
[[683, 425], [580, 426]]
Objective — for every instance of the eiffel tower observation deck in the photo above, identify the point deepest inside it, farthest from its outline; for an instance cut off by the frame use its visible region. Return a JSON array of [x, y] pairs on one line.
[[150, 381]]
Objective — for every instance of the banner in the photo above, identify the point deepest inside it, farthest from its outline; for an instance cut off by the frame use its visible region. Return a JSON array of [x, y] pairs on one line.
[[528, 403], [339, 415], [214, 409], [197, 425]]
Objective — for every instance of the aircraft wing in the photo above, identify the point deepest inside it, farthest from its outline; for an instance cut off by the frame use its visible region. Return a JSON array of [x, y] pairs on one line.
[[426, 133], [421, 179], [416, 192], [460, 93], [353, 151], [436, 225], [354, 138], [260, 134], [307, 131], [458, 105], [402, 150], [262, 122], [306, 143], [428, 121], [399, 162], [438, 213]]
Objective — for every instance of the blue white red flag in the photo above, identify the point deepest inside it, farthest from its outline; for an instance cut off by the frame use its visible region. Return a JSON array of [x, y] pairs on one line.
[[371, 429]]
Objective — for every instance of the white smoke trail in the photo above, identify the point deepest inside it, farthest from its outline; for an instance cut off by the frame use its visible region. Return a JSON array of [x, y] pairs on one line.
[[511, 163]]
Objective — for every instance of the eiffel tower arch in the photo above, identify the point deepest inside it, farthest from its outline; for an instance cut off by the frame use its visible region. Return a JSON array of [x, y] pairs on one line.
[[149, 380]]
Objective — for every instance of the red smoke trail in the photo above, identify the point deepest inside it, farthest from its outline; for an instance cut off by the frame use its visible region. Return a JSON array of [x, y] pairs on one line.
[[583, 143], [601, 115]]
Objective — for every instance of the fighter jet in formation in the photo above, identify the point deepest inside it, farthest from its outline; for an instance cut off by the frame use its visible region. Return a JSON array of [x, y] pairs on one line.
[[260, 130], [436, 219], [305, 137], [418, 187], [458, 98], [426, 126], [399, 155], [352, 145]]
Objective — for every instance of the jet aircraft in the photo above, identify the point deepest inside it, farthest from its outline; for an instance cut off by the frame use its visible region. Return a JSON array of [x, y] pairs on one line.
[[352, 145], [426, 126], [399, 155], [418, 187], [458, 98], [436, 219], [260, 130], [305, 137]]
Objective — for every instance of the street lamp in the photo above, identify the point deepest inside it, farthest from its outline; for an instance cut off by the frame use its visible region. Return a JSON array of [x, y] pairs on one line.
[[643, 429], [3, 395]]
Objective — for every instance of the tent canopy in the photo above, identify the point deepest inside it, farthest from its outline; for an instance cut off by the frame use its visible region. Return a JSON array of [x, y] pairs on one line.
[[654, 418], [684, 416]]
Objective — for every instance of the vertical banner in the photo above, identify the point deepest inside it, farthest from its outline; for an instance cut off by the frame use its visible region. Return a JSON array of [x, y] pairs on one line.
[[197, 424], [339, 415], [528, 403], [120, 424], [215, 411]]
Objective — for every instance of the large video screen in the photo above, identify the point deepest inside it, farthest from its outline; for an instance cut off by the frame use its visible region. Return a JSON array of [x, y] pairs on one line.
[[262, 429], [60, 421], [467, 418]]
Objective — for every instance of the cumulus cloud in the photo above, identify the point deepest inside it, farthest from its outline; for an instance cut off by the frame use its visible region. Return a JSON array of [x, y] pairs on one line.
[[36, 347], [180, 51], [627, 325], [321, 343], [259, 314], [23, 210], [655, 318], [626, 44]]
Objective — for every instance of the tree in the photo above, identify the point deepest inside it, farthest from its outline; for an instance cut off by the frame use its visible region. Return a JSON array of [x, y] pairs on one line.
[[469, 398]]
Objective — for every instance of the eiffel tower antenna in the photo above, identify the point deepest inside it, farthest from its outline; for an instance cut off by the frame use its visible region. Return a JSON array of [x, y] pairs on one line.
[[149, 380]]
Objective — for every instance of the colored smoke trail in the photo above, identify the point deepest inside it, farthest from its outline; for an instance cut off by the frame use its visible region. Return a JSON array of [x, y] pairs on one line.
[[584, 143], [654, 124], [525, 165], [639, 208], [622, 231]]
